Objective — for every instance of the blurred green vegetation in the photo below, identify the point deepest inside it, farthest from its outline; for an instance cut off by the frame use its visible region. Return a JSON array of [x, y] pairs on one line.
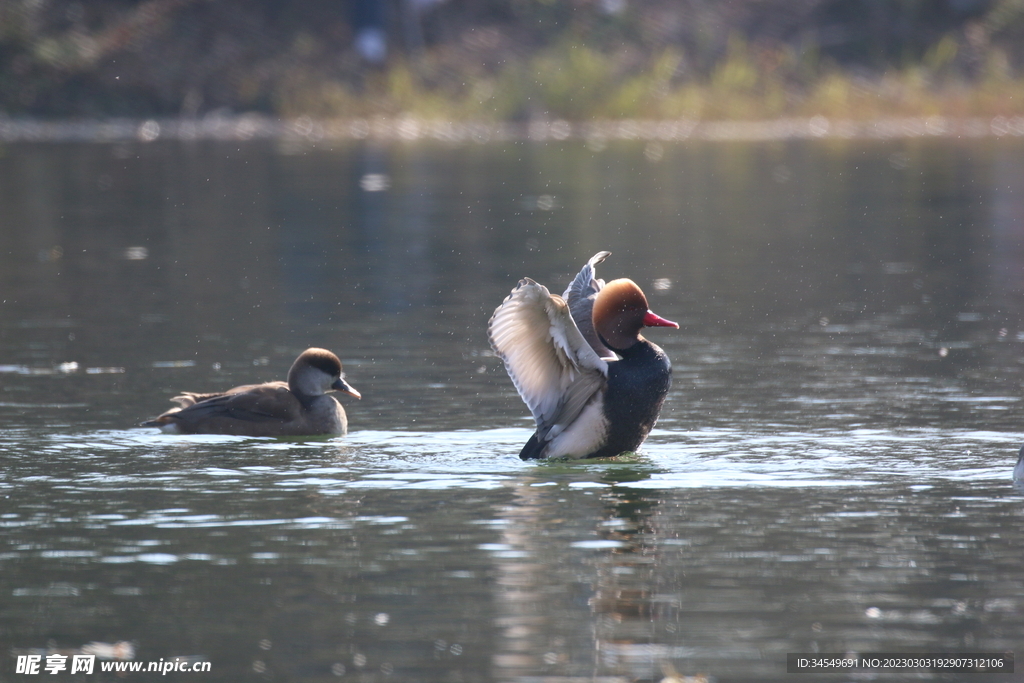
[[515, 59]]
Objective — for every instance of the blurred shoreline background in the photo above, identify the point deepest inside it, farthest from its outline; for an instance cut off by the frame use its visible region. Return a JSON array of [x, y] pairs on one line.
[[514, 66]]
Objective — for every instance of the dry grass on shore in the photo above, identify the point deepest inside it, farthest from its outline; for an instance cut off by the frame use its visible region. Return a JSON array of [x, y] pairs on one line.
[[576, 83]]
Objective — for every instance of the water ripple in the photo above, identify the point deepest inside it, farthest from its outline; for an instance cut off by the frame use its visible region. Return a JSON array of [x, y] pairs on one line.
[[486, 459]]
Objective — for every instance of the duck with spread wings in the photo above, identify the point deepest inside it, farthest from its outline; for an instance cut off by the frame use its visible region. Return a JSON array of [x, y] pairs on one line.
[[594, 385]]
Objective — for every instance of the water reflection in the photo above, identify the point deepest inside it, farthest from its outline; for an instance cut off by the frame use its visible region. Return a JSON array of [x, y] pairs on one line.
[[831, 471], [702, 585], [423, 554]]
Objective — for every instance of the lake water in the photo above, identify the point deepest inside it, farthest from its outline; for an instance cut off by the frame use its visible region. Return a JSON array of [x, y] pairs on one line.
[[831, 472]]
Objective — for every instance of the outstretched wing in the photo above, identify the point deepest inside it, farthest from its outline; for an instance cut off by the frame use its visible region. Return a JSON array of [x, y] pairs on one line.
[[554, 369], [580, 296]]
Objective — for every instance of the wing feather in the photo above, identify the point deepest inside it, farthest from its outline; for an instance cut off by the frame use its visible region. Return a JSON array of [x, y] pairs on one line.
[[554, 369], [580, 296], [254, 402]]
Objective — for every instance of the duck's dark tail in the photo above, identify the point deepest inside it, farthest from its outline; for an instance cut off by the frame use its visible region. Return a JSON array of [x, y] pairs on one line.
[[532, 450]]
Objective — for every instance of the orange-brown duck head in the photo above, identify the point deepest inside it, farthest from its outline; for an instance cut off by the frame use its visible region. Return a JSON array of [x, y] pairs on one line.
[[621, 311]]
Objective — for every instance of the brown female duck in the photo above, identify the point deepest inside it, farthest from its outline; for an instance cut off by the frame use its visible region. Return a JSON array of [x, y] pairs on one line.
[[298, 407]]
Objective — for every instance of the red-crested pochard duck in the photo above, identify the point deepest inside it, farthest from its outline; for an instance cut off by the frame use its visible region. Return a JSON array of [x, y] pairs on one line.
[[300, 407], [594, 385]]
